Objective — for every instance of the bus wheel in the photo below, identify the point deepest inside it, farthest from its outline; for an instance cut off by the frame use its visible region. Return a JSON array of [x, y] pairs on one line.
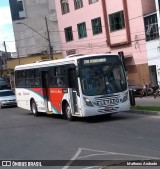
[[34, 108], [68, 114]]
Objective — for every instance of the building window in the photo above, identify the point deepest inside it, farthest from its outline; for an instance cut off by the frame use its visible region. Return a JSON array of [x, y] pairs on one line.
[[96, 26], [116, 21], [78, 4], [82, 30], [20, 5], [92, 1], [22, 13], [68, 34], [151, 27], [64, 6]]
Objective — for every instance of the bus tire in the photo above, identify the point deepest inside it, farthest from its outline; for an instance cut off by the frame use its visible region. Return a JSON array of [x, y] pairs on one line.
[[67, 112], [108, 115], [34, 108]]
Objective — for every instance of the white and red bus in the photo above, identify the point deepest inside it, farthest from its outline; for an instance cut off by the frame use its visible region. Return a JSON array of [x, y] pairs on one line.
[[86, 85]]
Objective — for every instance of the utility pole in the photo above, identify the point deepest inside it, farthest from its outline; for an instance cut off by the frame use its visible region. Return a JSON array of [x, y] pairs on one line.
[[1, 63], [6, 54], [5, 62], [18, 55], [48, 37], [49, 41]]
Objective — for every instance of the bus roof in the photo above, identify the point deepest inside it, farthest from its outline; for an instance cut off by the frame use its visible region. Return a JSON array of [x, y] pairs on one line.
[[68, 60]]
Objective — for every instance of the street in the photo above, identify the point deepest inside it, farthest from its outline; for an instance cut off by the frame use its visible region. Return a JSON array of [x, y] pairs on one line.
[[123, 136]]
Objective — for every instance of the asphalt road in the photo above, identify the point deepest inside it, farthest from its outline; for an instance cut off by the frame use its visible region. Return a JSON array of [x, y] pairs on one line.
[[124, 136]]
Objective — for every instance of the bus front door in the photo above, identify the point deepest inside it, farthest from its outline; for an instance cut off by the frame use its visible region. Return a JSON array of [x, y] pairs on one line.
[[73, 90]]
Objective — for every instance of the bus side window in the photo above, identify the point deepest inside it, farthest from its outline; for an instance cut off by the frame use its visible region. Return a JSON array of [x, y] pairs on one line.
[[21, 78], [60, 74], [53, 81], [52, 77], [37, 82], [60, 81], [32, 82], [27, 83]]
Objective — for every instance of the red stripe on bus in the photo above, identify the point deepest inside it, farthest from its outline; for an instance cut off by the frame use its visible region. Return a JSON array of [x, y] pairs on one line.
[[56, 96]]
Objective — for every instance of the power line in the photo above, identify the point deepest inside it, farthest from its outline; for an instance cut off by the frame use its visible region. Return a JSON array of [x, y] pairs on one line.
[[84, 45], [77, 30], [59, 43]]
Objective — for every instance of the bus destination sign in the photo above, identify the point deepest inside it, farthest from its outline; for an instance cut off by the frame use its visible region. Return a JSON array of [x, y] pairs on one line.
[[93, 61]]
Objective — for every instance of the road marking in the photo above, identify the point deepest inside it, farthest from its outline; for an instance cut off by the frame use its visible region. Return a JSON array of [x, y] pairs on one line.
[[79, 151], [124, 154], [73, 158], [93, 167]]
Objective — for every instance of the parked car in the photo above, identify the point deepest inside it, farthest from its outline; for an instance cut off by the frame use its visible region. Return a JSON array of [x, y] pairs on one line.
[[4, 85], [7, 98], [136, 88]]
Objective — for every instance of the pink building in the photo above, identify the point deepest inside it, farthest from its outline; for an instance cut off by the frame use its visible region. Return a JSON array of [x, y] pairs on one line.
[[102, 26]]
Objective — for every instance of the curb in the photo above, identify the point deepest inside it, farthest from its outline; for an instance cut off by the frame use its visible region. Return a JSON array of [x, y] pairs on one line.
[[154, 113]]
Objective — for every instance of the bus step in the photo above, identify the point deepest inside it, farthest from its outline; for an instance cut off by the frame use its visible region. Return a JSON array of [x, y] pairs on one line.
[[49, 112]]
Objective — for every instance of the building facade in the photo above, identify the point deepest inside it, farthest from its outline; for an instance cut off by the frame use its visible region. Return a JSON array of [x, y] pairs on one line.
[[91, 26], [35, 27], [103, 26], [152, 24], [3, 58]]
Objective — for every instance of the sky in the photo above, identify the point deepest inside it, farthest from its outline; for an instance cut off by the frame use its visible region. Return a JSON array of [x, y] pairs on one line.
[[6, 29]]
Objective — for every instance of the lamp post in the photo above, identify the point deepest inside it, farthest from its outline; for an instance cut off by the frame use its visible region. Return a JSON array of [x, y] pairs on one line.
[[48, 39]]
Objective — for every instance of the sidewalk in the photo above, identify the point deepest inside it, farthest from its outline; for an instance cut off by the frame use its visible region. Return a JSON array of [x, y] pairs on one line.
[[147, 101]]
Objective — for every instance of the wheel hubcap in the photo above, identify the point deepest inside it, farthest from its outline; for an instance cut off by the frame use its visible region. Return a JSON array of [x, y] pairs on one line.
[[68, 112]]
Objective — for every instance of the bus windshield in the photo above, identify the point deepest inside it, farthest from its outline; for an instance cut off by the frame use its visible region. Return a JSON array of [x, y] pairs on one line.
[[103, 79]]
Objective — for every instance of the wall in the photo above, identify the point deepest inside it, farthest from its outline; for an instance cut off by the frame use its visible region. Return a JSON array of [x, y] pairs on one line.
[[153, 50], [133, 35], [90, 44], [135, 52], [139, 73], [148, 6], [11, 63], [27, 39]]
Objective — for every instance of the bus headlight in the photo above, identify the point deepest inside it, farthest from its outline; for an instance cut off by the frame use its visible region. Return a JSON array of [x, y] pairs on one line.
[[125, 97], [88, 102]]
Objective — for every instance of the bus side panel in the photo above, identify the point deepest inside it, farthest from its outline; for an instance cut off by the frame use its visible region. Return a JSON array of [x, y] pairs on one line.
[[24, 97], [39, 94], [56, 96]]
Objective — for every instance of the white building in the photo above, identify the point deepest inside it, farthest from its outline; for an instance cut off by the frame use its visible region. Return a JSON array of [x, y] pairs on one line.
[[30, 27], [152, 25]]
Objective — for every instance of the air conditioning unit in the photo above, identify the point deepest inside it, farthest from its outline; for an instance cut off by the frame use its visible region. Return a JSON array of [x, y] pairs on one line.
[[65, 1]]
